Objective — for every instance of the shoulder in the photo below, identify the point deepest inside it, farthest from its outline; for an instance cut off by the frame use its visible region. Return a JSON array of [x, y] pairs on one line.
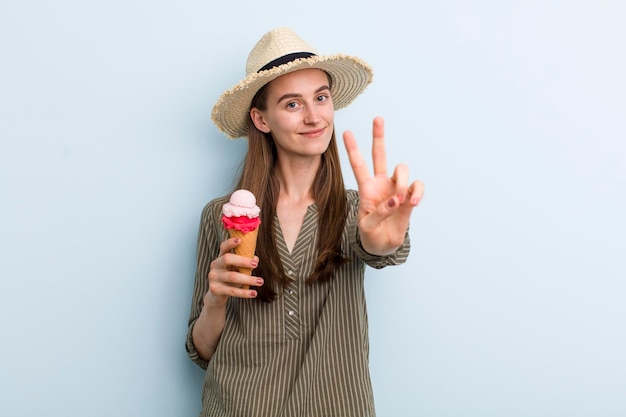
[[213, 209], [217, 202], [352, 196]]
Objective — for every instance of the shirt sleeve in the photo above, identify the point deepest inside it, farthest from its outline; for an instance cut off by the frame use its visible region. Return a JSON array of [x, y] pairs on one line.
[[396, 258], [209, 238]]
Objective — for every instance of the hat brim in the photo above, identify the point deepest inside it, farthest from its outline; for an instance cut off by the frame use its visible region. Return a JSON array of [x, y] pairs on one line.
[[350, 77]]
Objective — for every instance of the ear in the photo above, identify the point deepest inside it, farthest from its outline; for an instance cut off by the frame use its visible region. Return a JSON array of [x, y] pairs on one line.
[[259, 120]]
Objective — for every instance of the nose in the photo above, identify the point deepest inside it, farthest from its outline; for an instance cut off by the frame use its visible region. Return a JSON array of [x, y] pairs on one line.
[[310, 115]]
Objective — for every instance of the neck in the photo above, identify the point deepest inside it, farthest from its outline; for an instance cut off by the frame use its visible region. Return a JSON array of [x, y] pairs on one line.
[[296, 178]]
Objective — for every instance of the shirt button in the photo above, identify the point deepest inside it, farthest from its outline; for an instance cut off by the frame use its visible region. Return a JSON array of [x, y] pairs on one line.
[[291, 312], [290, 291], [290, 272]]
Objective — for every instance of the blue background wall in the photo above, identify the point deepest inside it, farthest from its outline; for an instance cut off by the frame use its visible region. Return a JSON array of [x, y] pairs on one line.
[[512, 303]]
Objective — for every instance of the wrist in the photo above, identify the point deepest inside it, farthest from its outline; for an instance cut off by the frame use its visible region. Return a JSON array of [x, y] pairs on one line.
[[214, 302], [374, 249]]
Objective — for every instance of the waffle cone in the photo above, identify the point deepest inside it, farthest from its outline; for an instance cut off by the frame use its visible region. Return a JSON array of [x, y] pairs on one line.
[[246, 247]]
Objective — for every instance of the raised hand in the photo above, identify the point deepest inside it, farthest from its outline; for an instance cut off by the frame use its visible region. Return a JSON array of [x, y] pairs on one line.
[[386, 202]]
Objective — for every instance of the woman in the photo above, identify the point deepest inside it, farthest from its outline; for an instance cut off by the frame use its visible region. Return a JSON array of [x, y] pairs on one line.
[[296, 342]]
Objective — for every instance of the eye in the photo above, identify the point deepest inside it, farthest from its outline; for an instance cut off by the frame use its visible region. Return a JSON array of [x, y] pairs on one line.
[[292, 105], [322, 98]]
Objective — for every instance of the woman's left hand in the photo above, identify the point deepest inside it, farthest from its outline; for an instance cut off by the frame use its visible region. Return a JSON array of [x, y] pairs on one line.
[[386, 202]]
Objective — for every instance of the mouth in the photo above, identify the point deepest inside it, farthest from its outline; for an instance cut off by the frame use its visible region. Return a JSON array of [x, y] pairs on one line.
[[313, 133]]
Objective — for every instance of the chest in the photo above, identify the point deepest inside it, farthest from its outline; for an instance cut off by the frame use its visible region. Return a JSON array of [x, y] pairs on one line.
[[290, 219]]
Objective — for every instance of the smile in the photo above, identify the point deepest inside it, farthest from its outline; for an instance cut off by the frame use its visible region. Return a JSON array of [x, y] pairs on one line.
[[313, 133]]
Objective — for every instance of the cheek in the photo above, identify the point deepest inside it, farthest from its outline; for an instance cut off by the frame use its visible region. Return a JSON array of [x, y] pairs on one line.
[[330, 115], [331, 108], [288, 121]]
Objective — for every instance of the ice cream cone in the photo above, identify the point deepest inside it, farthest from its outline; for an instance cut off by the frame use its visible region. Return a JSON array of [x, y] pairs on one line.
[[246, 247], [240, 216]]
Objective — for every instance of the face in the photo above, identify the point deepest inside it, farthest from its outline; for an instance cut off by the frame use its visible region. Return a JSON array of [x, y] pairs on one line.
[[299, 113]]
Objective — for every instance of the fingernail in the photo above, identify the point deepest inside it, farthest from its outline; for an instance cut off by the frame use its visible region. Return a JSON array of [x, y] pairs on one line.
[[237, 240], [254, 264], [253, 294], [391, 202], [259, 281]]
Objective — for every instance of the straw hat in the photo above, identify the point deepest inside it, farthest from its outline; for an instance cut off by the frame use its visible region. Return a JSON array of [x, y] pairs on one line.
[[279, 52]]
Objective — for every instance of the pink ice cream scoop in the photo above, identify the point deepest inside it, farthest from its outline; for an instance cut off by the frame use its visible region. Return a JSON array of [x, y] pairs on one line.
[[241, 212]]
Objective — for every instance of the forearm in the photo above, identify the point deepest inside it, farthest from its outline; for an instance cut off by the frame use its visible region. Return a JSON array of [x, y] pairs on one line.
[[208, 329]]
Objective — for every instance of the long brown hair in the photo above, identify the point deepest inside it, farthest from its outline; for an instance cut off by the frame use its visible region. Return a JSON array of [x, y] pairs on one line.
[[258, 176]]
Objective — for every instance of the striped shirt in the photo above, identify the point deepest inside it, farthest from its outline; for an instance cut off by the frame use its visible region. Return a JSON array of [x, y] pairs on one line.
[[307, 352]]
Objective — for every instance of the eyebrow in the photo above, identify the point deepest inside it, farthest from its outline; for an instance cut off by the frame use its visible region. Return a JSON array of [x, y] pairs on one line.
[[294, 95]]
